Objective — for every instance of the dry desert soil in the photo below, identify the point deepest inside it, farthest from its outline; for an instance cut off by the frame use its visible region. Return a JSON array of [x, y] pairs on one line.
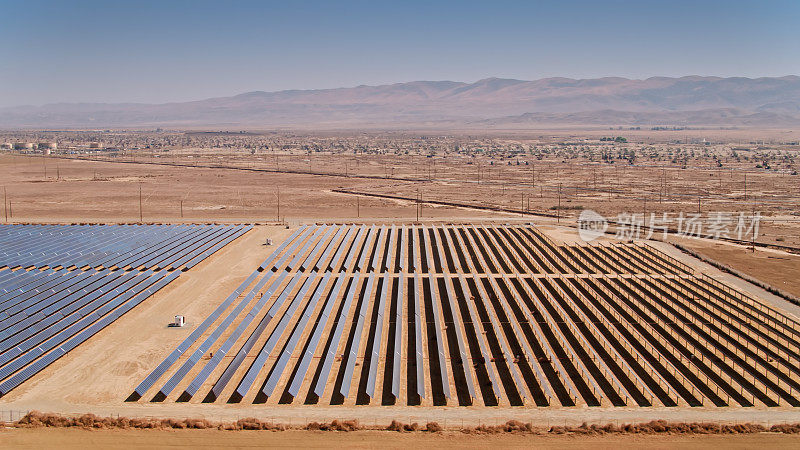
[[81, 439]]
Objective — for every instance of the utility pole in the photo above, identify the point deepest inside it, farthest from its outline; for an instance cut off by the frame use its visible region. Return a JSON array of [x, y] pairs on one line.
[[358, 206], [140, 202], [558, 211], [181, 209], [745, 186], [279, 204], [753, 224], [418, 206], [644, 219], [5, 202]]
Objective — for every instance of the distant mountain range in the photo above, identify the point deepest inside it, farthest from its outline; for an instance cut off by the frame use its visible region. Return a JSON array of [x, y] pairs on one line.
[[488, 103]]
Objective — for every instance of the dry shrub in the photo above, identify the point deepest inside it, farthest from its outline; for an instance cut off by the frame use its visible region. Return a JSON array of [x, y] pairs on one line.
[[314, 426], [346, 425], [251, 423], [412, 427], [664, 427], [788, 428], [38, 419], [200, 424], [227, 427], [145, 423], [486, 429], [512, 426], [433, 427], [515, 426], [395, 426]]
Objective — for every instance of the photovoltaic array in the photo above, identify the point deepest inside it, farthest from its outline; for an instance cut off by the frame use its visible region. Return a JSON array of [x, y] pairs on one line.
[[481, 315], [112, 246], [61, 284]]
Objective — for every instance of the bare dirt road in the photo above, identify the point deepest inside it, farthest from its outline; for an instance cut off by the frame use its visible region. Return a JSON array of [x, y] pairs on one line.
[[83, 439]]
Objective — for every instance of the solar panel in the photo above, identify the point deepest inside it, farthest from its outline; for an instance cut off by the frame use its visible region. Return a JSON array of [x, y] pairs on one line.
[[267, 262], [223, 350], [481, 344], [484, 296], [226, 376], [353, 248], [283, 359], [319, 387], [412, 263], [459, 330], [312, 256], [361, 264], [305, 360], [356, 343], [291, 250], [437, 326], [418, 338], [375, 256], [343, 246], [403, 248], [262, 356], [117, 308], [331, 244], [296, 260], [376, 340], [148, 382], [398, 336], [68, 246]]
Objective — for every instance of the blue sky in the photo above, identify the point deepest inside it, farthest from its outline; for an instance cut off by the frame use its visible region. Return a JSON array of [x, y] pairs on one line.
[[155, 52]]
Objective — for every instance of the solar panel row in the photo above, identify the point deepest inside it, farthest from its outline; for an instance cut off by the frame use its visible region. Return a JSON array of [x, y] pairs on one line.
[[485, 314], [112, 246], [61, 284]]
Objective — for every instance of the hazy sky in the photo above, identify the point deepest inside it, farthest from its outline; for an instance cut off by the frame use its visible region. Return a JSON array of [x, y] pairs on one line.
[[164, 51]]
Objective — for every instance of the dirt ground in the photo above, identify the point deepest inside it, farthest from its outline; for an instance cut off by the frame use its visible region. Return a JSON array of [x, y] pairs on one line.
[[57, 189], [86, 191], [81, 439], [69, 191], [776, 268]]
